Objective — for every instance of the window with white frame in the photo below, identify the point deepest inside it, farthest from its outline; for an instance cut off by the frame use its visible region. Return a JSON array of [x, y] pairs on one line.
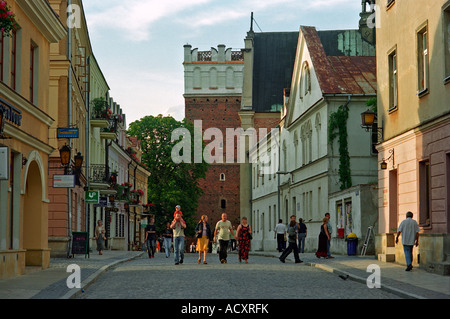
[[422, 59], [447, 42], [393, 80]]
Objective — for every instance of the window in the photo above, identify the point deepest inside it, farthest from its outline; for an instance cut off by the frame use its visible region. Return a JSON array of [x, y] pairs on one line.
[[32, 72], [305, 80], [13, 59], [222, 177], [447, 43], [393, 81], [223, 204], [424, 193], [422, 54]]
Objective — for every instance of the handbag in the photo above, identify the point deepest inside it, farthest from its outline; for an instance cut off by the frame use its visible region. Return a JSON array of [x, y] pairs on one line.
[[250, 236]]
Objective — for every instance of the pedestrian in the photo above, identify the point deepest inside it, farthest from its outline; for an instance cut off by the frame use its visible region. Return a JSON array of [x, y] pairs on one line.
[[324, 236], [223, 229], [100, 237], [150, 238], [280, 235], [178, 225], [167, 235], [178, 210], [410, 237], [244, 235], [330, 231], [302, 232], [292, 240], [204, 236]]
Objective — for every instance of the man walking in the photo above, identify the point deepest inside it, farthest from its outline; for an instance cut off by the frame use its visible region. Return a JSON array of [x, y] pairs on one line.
[[223, 228], [330, 231], [150, 238], [410, 237], [280, 235], [178, 225]]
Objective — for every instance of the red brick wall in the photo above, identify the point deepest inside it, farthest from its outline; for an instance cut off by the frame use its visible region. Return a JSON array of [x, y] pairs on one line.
[[221, 113]]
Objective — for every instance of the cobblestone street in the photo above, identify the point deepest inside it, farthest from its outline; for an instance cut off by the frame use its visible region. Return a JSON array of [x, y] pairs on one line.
[[262, 278]]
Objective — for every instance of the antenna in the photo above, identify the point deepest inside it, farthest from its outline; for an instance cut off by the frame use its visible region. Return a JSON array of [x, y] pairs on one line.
[[251, 23]]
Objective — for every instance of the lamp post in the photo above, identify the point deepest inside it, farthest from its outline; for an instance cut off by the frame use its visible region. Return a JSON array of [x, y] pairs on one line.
[[279, 204]]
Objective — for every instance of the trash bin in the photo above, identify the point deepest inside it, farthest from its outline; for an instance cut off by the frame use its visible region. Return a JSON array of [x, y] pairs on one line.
[[352, 244]]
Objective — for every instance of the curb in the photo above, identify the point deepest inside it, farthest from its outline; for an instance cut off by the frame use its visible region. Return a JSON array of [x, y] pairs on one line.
[[73, 293], [355, 278]]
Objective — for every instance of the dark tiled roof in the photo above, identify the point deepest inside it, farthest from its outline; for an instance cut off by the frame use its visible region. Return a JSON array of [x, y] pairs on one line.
[[338, 74], [274, 58]]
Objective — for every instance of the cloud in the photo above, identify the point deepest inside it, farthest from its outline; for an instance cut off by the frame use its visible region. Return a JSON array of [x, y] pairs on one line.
[[134, 17]]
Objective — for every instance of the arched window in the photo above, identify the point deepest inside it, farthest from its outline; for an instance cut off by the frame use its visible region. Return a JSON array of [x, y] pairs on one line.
[[305, 80], [222, 177]]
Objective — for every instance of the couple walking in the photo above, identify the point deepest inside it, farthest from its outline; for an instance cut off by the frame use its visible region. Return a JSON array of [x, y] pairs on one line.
[[222, 232]]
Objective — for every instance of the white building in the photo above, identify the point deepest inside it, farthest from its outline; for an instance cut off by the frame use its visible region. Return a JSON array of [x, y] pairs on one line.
[[334, 70]]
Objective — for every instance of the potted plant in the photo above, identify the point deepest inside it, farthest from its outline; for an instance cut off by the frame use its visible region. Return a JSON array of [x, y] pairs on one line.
[[7, 19]]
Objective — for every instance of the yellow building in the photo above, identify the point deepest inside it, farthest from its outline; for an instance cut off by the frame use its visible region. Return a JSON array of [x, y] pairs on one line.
[[413, 61], [24, 142]]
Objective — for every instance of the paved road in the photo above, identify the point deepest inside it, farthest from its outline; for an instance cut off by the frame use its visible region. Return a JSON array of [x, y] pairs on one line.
[[262, 278]]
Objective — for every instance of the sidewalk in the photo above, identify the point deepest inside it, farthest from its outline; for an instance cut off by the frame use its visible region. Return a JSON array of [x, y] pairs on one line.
[[417, 284], [51, 283]]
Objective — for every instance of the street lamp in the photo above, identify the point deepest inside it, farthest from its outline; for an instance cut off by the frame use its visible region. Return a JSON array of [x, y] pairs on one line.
[[78, 161], [278, 191], [64, 154], [368, 119]]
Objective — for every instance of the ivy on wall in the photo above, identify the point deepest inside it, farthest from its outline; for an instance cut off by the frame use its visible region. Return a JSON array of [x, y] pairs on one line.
[[337, 127]]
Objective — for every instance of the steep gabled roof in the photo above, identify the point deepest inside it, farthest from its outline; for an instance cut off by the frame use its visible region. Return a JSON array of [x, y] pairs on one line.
[[340, 74]]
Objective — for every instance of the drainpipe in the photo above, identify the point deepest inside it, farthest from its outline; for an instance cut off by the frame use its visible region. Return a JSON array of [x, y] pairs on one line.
[[87, 155], [69, 121]]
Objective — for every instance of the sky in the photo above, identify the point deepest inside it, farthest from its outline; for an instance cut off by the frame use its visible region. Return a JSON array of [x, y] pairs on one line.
[[139, 43]]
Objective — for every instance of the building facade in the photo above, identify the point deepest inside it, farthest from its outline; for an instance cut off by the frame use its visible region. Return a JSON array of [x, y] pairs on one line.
[[414, 122], [69, 104], [25, 142]]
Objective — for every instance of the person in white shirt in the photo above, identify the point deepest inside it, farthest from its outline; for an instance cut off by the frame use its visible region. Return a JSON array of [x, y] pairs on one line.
[[410, 237], [280, 235]]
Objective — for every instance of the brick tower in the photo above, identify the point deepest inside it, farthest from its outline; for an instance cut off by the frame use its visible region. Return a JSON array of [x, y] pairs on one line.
[[213, 92]]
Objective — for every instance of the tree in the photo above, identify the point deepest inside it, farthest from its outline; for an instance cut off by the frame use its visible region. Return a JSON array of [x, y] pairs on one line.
[[171, 182]]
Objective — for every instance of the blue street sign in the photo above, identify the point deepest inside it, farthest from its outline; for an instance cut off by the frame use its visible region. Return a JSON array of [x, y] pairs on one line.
[[67, 133]]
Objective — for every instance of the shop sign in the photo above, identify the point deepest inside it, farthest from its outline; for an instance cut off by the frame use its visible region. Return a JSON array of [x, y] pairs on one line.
[[63, 181]]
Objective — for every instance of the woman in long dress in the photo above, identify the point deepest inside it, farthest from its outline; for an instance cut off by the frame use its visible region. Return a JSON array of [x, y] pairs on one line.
[[100, 237], [324, 236], [243, 234]]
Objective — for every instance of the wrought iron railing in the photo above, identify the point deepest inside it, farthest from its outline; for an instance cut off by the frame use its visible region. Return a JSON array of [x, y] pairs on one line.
[[99, 173]]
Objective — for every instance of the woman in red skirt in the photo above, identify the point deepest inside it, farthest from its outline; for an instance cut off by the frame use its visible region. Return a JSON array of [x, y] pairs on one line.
[[244, 232]]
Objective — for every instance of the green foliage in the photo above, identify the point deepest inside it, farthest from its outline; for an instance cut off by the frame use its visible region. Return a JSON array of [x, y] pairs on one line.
[[372, 103], [338, 128], [169, 184]]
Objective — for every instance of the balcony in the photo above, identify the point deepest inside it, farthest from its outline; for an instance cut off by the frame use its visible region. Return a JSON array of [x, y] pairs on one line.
[[99, 178]]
